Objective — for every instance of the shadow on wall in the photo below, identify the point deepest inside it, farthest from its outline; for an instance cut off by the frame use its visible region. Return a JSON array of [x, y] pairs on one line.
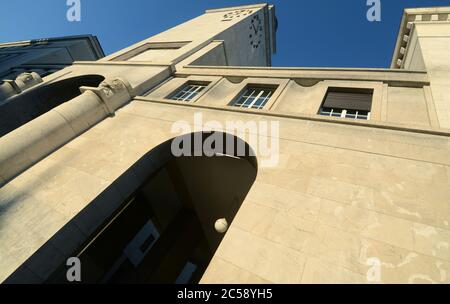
[[164, 231], [35, 102]]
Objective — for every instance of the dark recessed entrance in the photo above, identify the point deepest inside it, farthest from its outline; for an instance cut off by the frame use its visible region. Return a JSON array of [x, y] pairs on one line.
[[164, 232]]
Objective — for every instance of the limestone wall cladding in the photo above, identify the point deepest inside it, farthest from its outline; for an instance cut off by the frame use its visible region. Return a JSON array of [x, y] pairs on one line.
[[434, 41], [239, 51], [210, 55], [339, 196], [414, 58], [427, 48], [407, 106]]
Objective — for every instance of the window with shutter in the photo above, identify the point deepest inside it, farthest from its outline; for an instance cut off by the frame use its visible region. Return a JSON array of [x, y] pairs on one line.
[[351, 103]]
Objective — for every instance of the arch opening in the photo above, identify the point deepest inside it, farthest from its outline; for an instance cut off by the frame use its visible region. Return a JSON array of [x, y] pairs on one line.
[[35, 102], [164, 232]]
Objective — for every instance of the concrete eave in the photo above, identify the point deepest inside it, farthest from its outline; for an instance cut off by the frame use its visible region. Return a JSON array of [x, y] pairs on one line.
[[392, 76], [232, 8], [411, 16]]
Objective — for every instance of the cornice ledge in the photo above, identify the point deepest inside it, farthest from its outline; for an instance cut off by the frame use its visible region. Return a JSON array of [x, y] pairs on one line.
[[232, 8], [410, 17]]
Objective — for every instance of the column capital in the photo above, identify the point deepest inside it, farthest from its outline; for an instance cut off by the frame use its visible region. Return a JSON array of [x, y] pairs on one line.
[[27, 80], [114, 92]]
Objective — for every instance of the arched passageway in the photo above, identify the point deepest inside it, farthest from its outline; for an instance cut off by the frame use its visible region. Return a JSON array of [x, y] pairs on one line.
[[35, 102], [165, 231]]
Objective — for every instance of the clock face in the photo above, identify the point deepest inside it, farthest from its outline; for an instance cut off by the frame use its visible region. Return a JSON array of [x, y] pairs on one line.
[[256, 32], [236, 14]]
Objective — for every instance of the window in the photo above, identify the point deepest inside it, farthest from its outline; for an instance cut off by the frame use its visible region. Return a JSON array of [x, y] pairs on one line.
[[254, 97], [189, 91], [334, 112], [141, 244], [331, 112], [8, 56], [186, 274], [347, 103], [357, 114]]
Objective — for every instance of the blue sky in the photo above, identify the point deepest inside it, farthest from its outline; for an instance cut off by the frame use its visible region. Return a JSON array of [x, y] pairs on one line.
[[313, 33]]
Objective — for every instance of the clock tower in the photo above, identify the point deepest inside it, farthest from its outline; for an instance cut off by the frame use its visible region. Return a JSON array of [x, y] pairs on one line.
[[234, 36]]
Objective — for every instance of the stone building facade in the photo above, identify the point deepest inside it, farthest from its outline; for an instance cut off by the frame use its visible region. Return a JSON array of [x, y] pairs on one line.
[[355, 187]]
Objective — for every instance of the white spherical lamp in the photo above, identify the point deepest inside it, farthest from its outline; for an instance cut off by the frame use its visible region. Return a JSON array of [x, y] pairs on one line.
[[221, 225]]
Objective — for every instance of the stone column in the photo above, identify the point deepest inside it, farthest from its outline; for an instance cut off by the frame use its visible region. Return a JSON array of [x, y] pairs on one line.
[[30, 143]]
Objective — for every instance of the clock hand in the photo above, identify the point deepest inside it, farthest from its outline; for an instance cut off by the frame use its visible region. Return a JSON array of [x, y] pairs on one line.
[[254, 29]]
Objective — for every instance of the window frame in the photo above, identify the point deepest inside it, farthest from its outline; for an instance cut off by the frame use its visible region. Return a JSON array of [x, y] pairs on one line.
[[253, 86], [203, 84], [343, 113]]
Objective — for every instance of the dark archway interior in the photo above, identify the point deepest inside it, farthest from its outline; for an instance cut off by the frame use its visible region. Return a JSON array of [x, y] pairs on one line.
[[35, 102], [164, 232]]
